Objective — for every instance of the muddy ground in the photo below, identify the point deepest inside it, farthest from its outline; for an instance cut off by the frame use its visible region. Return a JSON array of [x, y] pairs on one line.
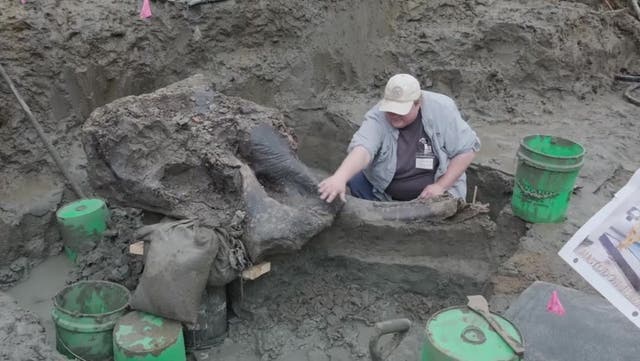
[[514, 67]]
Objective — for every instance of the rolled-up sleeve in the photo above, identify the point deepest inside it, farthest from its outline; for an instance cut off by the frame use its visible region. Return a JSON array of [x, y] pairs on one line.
[[458, 136], [369, 136]]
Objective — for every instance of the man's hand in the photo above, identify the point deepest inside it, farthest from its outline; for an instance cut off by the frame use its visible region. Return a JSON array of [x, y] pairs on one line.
[[336, 185], [432, 190], [331, 188]]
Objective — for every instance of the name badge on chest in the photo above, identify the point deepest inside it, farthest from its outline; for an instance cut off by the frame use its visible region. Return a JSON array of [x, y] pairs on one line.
[[426, 158], [425, 161]]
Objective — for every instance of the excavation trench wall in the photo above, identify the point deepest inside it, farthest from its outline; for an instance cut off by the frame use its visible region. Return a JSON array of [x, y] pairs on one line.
[[322, 63], [513, 67]]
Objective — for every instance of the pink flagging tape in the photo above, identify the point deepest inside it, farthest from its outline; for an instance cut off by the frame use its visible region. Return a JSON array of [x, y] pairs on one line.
[[145, 12], [554, 305]]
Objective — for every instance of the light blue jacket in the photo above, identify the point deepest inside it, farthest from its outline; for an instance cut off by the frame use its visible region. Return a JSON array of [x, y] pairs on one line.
[[449, 133]]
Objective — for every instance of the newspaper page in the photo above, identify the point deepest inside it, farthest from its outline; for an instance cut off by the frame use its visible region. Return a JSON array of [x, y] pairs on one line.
[[605, 251]]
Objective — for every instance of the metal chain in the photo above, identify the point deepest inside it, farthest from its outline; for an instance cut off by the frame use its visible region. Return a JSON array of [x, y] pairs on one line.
[[535, 194]]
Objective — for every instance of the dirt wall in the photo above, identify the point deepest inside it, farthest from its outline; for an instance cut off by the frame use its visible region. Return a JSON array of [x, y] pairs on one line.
[[519, 64]]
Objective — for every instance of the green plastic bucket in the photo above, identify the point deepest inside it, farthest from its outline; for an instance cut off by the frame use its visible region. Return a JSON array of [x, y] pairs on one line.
[[84, 315], [82, 224], [460, 334], [140, 336], [546, 174]]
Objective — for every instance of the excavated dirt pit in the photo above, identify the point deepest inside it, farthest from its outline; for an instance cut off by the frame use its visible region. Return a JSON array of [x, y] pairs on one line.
[[320, 302], [514, 67]]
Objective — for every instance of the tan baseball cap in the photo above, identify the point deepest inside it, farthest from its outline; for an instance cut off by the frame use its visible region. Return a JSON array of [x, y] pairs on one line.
[[400, 93]]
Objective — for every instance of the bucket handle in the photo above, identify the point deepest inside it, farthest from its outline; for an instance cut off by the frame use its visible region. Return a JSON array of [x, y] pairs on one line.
[[398, 326], [64, 345], [538, 195]]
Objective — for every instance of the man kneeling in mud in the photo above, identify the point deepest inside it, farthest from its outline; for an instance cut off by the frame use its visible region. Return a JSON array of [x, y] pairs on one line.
[[412, 144]]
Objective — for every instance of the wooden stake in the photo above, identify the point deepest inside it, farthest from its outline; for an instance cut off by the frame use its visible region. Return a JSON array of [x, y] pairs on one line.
[[43, 137], [475, 193]]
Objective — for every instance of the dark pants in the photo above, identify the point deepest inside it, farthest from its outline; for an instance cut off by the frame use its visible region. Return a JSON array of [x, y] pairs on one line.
[[361, 187]]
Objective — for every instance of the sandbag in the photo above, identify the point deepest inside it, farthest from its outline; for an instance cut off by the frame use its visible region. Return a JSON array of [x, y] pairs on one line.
[[176, 269]]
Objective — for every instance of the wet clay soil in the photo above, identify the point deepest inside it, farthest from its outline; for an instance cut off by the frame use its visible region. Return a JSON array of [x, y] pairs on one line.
[[514, 67]]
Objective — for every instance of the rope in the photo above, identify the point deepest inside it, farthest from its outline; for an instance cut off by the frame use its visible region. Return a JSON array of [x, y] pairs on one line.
[[631, 98], [630, 89], [236, 252]]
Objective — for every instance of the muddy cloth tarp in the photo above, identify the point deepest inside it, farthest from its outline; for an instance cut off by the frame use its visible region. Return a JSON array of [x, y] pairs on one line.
[[187, 151], [176, 269], [591, 330]]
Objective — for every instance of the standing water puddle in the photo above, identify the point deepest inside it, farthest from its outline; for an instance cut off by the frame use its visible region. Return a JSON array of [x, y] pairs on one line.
[[37, 291]]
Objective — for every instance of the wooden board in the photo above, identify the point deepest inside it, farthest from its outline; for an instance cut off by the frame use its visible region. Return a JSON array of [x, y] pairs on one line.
[[256, 271], [137, 248]]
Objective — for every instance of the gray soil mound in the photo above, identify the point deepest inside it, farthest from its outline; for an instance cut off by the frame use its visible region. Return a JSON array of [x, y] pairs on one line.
[[22, 337], [325, 311], [110, 259]]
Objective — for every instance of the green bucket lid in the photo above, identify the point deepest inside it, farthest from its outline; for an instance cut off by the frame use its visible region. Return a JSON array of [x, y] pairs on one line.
[[80, 208], [461, 334], [141, 333]]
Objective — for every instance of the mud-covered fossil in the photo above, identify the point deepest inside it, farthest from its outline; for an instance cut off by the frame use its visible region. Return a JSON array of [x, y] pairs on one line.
[[186, 151]]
